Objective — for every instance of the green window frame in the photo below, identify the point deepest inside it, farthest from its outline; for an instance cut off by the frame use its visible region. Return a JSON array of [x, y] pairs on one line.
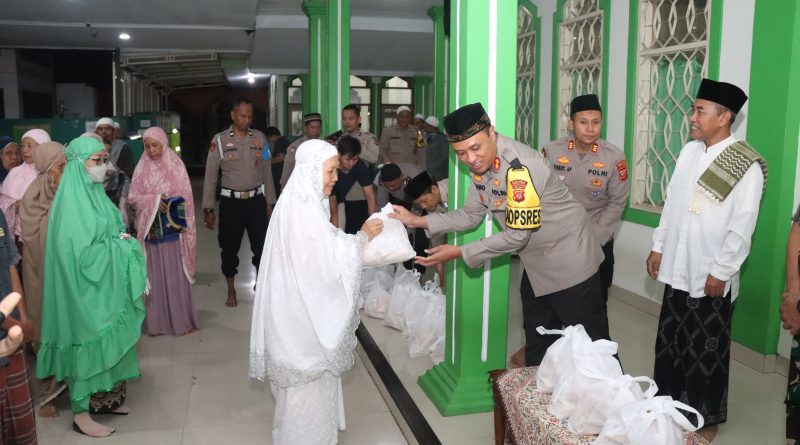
[[529, 26]]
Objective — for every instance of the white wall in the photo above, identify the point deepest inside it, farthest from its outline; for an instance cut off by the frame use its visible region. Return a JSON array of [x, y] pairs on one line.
[[9, 83]]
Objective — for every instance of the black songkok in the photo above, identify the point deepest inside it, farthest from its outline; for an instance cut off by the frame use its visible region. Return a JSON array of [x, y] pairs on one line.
[[723, 93], [419, 185], [587, 102], [466, 122]]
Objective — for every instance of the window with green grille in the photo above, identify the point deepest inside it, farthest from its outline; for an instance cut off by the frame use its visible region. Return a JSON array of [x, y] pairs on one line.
[[580, 57], [671, 60], [526, 77]]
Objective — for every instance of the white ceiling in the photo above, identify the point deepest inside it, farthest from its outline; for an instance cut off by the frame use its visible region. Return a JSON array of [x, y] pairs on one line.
[[388, 37]]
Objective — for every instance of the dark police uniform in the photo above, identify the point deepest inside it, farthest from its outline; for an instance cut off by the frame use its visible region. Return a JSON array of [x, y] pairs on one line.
[[247, 189], [560, 285], [599, 181]]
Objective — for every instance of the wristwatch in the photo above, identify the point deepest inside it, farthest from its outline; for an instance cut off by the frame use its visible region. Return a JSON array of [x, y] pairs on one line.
[[207, 211]]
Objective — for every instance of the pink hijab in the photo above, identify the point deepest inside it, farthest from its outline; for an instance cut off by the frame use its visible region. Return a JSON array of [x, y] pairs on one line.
[[163, 178], [17, 182]]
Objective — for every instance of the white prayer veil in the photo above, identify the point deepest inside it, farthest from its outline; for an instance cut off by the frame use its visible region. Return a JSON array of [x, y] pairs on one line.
[[307, 292]]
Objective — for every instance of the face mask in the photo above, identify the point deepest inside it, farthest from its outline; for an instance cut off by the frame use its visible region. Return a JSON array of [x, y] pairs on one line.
[[97, 173]]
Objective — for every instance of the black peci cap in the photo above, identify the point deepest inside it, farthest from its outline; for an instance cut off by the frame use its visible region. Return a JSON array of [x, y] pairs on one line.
[[466, 122], [723, 93], [419, 185]]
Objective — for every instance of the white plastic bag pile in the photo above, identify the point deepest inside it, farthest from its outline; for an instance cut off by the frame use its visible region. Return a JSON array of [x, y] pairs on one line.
[[590, 393], [391, 245], [425, 322], [375, 286], [405, 288], [397, 298]]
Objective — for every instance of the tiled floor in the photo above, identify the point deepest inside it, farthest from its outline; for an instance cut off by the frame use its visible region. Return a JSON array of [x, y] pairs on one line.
[[195, 390]]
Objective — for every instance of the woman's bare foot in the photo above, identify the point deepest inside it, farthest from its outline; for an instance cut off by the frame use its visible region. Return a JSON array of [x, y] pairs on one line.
[[48, 410], [709, 432], [86, 425], [518, 359]]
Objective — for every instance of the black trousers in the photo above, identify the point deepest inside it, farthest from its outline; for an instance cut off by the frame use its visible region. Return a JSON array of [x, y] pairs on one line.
[[607, 268], [236, 216], [579, 304], [355, 214]]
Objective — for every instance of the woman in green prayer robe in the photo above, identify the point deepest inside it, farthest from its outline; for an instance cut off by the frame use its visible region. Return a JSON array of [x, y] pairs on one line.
[[94, 277]]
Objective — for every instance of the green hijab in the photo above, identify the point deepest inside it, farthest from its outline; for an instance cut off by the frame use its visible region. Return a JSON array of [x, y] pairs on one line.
[[92, 310]]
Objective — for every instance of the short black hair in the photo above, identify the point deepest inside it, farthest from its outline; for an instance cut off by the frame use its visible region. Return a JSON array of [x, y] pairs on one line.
[[390, 172], [272, 131], [235, 104], [354, 108], [348, 146]]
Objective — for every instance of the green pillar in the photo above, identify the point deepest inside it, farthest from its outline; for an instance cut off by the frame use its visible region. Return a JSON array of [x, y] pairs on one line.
[[482, 68], [436, 13], [337, 65], [422, 94], [314, 84], [772, 128], [375, 88], [306, 93]]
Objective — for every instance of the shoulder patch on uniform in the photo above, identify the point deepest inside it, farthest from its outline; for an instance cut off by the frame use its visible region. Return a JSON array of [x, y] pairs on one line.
[[622, 170], [213, 145]]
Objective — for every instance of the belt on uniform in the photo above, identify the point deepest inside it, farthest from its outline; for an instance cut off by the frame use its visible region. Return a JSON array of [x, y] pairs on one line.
[[247, 194]]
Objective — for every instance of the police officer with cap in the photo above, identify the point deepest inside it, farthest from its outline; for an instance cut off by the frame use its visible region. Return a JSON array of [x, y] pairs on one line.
[[596, 173], [312, 127], [247, 192], [541, 221]]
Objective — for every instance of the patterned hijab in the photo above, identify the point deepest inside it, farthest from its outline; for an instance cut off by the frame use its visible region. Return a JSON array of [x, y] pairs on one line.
[[154, 180]]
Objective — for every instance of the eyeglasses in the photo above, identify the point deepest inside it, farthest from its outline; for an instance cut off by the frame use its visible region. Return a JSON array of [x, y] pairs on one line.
[[99, 161]]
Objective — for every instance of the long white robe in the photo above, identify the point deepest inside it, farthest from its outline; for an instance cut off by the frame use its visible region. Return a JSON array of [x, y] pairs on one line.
[[716, 239], [306, 307]]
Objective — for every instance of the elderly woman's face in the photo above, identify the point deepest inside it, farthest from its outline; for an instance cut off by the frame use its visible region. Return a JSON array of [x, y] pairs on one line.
[[28, 145], [55, 171], [330, 174], [11, 156], [153, 148]]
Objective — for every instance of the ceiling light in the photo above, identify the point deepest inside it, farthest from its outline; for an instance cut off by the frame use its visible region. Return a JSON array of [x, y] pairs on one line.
[[251, 79], [174, 131], [124, 36], [178, 148]]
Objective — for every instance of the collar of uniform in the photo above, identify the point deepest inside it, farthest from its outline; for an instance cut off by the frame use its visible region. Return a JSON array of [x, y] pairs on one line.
[[504, 151], [594, 150], [232, 134]]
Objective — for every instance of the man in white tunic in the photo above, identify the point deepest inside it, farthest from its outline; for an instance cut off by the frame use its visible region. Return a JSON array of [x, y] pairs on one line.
[[306, 305], [701, 241]]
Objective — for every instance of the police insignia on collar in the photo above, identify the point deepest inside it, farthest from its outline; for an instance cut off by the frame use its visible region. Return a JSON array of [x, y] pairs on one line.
[[2, 233], [496, 164]]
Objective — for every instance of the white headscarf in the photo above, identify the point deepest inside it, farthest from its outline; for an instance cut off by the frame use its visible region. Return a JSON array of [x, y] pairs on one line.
[[307, 291]]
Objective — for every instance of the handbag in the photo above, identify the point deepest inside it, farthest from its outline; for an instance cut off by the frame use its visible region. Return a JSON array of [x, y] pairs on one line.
[[170, 224]]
